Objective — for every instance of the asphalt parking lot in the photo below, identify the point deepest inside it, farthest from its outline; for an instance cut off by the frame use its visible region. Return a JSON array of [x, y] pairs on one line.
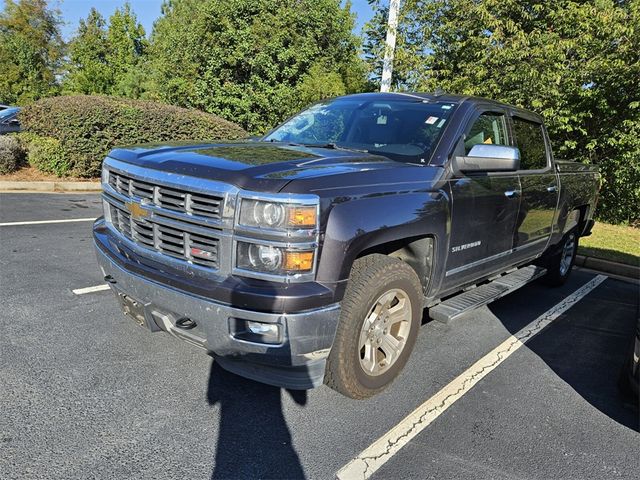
[[85, 393]]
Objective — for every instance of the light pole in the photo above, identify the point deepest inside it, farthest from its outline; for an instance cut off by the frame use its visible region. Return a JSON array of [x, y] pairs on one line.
[[390, 45]]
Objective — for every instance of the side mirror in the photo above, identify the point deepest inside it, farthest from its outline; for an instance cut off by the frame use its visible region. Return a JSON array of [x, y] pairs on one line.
[[488, 158]]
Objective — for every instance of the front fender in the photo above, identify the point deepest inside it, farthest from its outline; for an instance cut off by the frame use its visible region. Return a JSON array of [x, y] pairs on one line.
[[358, 225]]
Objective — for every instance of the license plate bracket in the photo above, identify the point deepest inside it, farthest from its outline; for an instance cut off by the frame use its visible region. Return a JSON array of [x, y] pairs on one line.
[[132, 308]]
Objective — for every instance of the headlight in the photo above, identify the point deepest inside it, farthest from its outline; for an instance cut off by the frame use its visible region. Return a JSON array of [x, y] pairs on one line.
[[105, 175], [276, 236], [277, 215], [272, 259]]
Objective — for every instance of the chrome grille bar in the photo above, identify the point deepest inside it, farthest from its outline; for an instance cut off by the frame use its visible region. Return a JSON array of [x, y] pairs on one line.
[[182, 201], [200, 249]]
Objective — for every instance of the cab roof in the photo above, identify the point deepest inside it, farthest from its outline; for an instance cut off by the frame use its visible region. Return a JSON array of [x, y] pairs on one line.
[[440, 97]]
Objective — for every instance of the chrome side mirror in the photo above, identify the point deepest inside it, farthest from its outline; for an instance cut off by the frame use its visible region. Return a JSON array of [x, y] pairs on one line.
[[488, 158]]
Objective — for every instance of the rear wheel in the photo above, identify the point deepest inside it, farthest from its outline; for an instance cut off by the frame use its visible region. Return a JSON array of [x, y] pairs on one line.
[[379, 321], [560, 264]]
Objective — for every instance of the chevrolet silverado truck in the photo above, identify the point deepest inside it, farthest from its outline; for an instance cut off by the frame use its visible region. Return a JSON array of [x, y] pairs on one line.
[[310, 255]]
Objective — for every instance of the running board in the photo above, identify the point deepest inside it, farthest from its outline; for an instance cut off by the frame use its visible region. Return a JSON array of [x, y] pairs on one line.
[[464, 302]]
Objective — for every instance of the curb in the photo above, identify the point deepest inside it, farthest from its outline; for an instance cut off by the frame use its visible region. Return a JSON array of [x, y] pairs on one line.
[[608, 266], [15, 186]]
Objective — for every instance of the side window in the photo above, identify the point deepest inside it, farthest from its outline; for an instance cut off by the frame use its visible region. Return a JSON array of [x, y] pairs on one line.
[[489, 128], [530, 141]]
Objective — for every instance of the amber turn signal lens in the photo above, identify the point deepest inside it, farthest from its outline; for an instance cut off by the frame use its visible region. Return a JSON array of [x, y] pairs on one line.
[[298, 261], [302, 217]]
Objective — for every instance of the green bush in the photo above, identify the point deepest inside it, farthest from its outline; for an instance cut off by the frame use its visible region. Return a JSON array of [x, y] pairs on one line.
[[11, 154], [47, 155], [23, 139], [620, 194], [88, 127]]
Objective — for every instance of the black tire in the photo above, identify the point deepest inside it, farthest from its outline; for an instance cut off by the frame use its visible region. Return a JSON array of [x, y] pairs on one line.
[[558, 265], [371, 278]]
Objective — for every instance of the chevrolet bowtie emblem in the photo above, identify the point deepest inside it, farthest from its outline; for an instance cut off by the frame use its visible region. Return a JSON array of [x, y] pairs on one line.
[[136, 210]]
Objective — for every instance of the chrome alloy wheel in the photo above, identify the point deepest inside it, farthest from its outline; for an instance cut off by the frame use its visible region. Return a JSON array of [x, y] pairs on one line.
[[384, 332], [568, 251]]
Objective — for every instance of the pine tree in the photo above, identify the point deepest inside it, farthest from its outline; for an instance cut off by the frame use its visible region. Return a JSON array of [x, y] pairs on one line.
[[89, 71], [127, 48]]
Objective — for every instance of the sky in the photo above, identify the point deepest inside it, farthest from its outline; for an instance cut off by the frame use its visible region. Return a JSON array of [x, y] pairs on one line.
[[148, 10]]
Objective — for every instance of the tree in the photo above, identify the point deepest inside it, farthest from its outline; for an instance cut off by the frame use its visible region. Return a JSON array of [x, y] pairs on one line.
[[576, 63], [254, 61], [127, 47], [318, 83], [89, 71], [411, 46], [31, 49], [108, 58]]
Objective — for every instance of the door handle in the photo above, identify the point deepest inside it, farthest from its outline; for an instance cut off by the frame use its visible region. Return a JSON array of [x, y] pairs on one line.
[[512, 194], [552, 189]]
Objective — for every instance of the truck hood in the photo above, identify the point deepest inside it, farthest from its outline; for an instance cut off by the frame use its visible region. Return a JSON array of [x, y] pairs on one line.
[[252, 165]]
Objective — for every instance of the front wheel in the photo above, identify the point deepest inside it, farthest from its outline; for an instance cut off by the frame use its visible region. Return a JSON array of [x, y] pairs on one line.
[[379, 322], [560, 264]]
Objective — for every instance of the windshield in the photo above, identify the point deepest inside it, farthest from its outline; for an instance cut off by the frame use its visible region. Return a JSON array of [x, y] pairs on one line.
[[405, 129], [8, 112]]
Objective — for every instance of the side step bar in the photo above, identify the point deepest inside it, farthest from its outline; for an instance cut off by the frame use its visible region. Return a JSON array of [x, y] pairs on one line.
[[464, 302]]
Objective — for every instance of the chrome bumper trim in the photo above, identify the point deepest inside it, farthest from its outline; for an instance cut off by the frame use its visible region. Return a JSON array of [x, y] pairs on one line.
[[305, 334]]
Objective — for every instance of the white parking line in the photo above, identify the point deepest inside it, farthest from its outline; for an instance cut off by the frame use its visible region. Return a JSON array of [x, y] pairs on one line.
[[383, 449], [42, 222], [97, 288]]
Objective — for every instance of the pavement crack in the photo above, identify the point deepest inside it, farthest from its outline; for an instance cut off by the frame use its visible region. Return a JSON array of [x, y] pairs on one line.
[[500, 355], [517, 339]]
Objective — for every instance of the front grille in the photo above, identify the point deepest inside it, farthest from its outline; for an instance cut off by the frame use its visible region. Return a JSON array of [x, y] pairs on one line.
[[200, 249], [176, 200]]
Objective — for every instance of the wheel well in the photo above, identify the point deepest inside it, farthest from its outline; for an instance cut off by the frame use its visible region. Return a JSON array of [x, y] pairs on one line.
[[582, 219], [417, 252], [577, 218]]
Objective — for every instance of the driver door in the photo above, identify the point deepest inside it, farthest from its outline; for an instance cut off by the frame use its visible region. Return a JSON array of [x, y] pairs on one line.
[[484, 207]]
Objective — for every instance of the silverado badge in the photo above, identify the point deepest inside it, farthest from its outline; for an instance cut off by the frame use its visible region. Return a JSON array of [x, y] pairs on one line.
[[136, 210]]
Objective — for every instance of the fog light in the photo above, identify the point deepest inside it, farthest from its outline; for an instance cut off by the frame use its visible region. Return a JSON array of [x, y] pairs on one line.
[[265, 329], [256, 332]]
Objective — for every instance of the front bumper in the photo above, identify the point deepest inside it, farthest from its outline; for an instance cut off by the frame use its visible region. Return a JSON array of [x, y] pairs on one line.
[[297, 362]]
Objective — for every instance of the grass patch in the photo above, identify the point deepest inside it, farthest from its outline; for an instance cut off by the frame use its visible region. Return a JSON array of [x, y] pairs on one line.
[[612, 242]]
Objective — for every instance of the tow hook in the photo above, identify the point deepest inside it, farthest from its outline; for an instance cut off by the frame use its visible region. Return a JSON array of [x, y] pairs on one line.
[[185, 323]]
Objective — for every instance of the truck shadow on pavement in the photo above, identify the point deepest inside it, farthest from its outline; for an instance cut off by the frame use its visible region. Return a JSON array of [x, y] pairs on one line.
[[254, 440], [587, 346]]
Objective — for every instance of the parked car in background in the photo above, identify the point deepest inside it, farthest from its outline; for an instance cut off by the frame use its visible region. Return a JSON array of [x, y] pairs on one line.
[[9, 120], [309, 255], [2, 106]]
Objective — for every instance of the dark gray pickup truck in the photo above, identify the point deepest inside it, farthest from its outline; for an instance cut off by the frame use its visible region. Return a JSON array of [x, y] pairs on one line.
[[311, 254]]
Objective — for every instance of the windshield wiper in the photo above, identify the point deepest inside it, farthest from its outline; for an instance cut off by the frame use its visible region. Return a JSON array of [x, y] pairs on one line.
[[332, 146]]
